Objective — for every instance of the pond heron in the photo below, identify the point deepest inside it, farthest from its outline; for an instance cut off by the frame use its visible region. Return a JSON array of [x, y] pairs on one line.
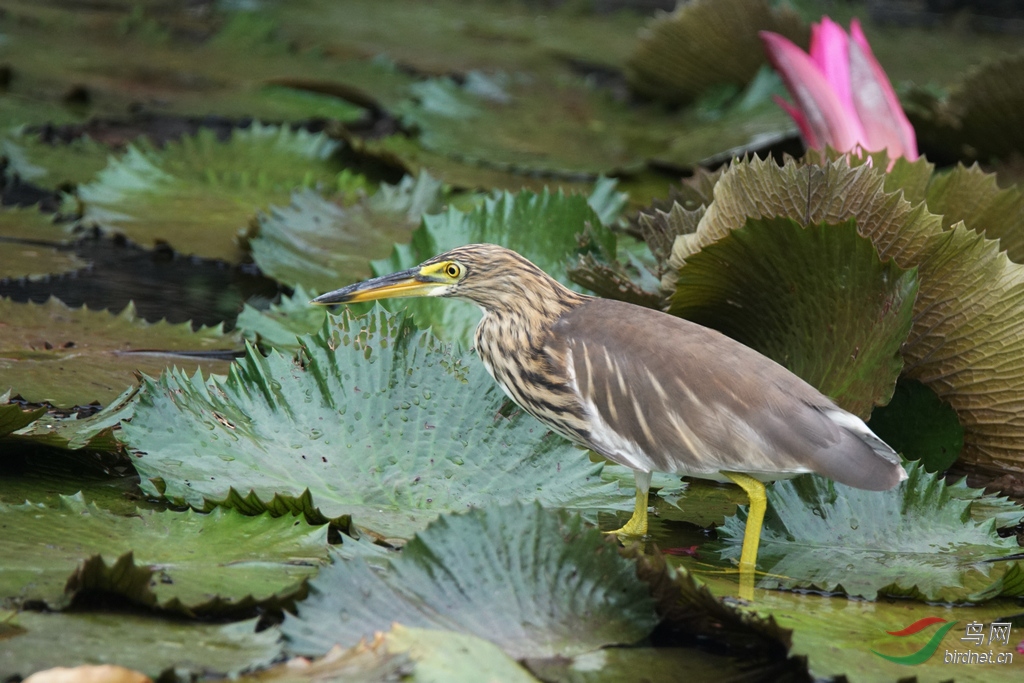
[[643, 388]]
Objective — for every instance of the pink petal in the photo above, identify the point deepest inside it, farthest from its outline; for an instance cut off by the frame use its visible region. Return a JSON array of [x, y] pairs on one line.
[[821, 108], [830, 51], [882, 119], [801, 122]]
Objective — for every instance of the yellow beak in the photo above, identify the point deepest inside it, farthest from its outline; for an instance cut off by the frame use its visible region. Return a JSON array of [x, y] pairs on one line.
[[403, 284]]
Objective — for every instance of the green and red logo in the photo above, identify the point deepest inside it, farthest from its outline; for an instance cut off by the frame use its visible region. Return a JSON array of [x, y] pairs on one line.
[[929, 648]]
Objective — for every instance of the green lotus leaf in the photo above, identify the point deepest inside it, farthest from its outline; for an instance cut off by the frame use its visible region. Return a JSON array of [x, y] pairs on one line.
[[43, 640], [533, 582], [567, 128], [425, 38], [322, 245], [32, 246], [972, 196], [73, 433], [839, 637], [199, 194], [378, 421], [407, 156], [63, 356], [964, 342], [705, 43], [542, 227], [448, 657], [55, 164], [817, 300], [920, 426], [14, 417], [916, 540], [183, 561], [283, 323]]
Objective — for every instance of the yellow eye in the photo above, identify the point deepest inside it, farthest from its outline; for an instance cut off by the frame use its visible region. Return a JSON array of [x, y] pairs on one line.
[[452, 270]]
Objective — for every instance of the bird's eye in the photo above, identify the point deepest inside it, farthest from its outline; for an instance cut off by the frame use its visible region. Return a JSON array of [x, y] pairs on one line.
[[452, 270]]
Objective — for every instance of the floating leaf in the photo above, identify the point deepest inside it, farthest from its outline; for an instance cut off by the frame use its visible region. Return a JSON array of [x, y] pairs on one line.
[[94, 432], [13, 416], [322, 245], [817, 300], [379, 421], [194, 563], [917, 539], [535, 583], [567, 128], [32, 246], [55, 164], [965, 341], [920, 426], [542, 227], [199, 194], [705, 43], [63, 356], [47, 639], [283, 324]]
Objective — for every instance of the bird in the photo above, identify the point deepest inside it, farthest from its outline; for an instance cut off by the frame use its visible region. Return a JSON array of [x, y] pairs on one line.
[[643, 388]]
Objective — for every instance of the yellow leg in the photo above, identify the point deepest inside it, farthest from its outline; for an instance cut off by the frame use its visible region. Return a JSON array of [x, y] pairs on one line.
[[755, 518], [637, 524]]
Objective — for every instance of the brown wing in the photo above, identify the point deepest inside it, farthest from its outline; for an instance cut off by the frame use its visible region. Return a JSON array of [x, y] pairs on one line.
[[666, 394]]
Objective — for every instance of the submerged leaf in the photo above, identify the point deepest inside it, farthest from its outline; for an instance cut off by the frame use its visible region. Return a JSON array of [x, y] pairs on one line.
[[63, 356], [535, 583], [321, 245], [199, 194], [380, 422], [199, 563], [918, 539], [33, 246], [817, 300], [544, 227]]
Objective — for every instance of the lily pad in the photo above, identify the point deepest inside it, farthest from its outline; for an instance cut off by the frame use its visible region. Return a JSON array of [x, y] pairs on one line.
[[43, 640], [323, 245], [283, 324], [32, 246], [533, 582], [55, 354], [706, 43], [73, 433], [378, 421], [14, 417], [199, 194], [515, 124], [917, 539], [817, 300], [964, 342], [55, 164], [183, 561], [542, 227]]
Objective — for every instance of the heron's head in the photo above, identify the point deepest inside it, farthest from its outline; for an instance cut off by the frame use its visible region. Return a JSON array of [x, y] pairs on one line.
[[493, 277]]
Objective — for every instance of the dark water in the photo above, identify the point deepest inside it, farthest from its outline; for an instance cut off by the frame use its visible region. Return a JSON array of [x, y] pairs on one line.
[[163, 284]]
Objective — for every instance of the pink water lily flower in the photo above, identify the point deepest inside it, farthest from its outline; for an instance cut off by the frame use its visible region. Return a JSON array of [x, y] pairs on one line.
[[842, 96]]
